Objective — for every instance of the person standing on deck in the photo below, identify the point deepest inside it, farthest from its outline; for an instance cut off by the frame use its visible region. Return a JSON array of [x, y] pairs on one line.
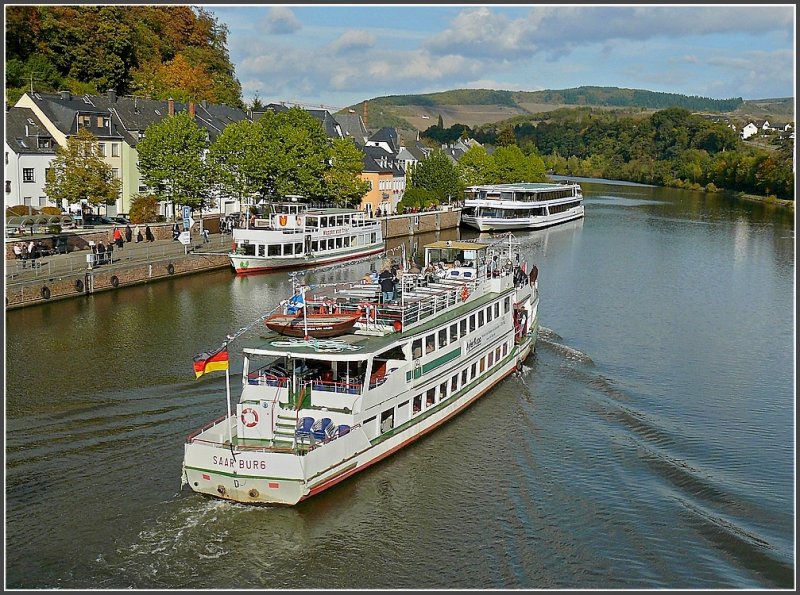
[[387, 280]]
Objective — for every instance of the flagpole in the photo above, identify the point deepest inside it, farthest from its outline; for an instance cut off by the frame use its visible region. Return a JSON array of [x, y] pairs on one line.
[[228, 392]]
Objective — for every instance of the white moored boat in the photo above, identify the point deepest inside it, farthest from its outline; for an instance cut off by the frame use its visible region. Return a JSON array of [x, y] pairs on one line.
[[313, 412], [505, 207], [291, 235]]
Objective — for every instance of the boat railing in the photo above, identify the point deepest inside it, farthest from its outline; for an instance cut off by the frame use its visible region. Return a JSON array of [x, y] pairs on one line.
[[190, 438], [350, 388], [436, 303]]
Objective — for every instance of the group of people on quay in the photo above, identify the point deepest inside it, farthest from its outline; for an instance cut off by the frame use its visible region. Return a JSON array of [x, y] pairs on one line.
[[31, 250]]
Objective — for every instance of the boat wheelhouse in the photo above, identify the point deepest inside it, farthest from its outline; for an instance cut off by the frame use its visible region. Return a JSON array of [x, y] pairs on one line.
[[315, 411], [521, 206], [292, 235]]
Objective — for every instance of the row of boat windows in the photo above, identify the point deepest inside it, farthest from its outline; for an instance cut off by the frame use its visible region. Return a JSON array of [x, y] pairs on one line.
[[296, 248], [524, 213], [524, 196], [436, 394], [334, 220], [461, 328]]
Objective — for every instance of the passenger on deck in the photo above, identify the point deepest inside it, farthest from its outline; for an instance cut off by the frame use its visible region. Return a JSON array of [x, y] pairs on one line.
[[387, 280], [296, 303]]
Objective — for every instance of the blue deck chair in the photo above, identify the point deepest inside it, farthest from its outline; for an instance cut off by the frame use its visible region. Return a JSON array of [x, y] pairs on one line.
[[318, 429], [304, 427]]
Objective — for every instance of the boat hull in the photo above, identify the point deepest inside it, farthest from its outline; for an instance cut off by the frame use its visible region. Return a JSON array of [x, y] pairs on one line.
[[275, 478], [248, 265], [499, 224]]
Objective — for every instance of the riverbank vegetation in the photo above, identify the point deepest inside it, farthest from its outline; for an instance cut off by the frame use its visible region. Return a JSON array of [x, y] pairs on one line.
[[671, 147]]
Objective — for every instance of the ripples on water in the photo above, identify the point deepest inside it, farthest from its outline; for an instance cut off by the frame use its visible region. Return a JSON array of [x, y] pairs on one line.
[[593, 468]]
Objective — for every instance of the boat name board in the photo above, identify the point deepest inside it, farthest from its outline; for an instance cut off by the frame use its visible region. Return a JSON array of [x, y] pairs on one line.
[[240, 463], [335, 232], [474, 344]]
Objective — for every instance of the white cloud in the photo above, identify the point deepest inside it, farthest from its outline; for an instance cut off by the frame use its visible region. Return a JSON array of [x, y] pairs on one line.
[[353, 40], [281, 20]]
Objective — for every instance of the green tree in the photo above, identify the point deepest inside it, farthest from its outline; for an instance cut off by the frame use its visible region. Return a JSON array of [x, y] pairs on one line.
[[476, 167], [506, 138], [171, 160], [341, 182], [439, 175], [79, 173], [511, 165], [417, 197], [238, 161], [144, 208]]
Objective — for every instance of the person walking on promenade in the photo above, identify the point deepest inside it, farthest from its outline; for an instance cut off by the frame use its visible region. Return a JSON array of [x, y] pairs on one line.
[[138, 233], [118, 237], [128, 233], [205, 236], [176, 231], [148, 234]]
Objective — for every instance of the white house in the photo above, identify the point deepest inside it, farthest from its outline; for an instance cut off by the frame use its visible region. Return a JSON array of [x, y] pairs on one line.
[[749, 130], [29, 149]]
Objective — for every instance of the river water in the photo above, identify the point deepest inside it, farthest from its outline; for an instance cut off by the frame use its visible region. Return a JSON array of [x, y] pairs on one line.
[[648, 444]]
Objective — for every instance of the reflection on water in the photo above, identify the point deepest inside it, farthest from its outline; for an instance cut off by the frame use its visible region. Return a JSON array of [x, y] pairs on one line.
[[647, 444]]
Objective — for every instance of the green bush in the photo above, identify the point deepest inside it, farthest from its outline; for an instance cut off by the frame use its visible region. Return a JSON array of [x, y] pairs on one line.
[[54, 228]]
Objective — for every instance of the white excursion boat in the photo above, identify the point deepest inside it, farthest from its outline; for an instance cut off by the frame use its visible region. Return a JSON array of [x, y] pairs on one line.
[[315, 411], [506, 207], [291, 235]]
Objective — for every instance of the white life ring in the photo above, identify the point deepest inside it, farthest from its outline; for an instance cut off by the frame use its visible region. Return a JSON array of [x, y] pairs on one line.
[[246, 412]]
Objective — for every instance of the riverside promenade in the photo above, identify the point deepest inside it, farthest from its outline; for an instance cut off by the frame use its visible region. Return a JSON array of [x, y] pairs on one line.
[[60, 276]]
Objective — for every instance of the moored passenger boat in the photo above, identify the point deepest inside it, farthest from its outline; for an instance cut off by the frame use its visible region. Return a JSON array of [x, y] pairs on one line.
[[505, 207], [314, 411], [292, 235]]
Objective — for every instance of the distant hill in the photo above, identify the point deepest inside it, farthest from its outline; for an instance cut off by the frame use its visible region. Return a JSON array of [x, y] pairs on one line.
[[475, 107]]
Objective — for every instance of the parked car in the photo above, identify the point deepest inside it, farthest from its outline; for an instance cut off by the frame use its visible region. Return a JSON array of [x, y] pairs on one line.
[[98, 220], [120, 220]]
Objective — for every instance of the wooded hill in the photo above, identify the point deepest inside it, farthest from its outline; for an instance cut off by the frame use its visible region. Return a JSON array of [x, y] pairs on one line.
[[152, 51], [474, 107]]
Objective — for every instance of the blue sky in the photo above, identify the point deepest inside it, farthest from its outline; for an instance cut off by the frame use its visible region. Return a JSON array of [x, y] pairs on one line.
[[340, 55]]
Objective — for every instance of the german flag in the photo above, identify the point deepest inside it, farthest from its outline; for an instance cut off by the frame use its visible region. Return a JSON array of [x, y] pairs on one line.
[[210, 362]]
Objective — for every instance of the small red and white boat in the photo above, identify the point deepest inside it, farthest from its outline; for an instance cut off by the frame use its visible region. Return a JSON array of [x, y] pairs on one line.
[[318, 326]]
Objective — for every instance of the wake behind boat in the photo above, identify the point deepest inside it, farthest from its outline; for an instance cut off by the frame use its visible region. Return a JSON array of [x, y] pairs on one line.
[[315, 411], [505, 207], [292, 235]]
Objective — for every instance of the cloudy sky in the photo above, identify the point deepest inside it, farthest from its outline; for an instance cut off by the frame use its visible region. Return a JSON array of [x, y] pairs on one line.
[[340, 55]]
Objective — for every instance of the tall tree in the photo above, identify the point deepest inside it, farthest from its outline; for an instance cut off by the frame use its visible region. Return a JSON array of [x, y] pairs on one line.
[[342, 185], [171, 160], [79, 173], [511, 166], [476, 167], [439, 175], [238, 161]]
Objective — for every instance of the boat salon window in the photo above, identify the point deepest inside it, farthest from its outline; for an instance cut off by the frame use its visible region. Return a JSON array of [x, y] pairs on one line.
[[261, 249], [387, 420], [497, 354], [430, 398], [480, 318], [453, 384], [323, 222], [488, 313], [483, 364], [472, 323], [506, 196], [416, 348], [339, 242], [248, 249], [314, 246], [453, 333], [298, 247], [464, 378], [442, 337], [506, 305], [274, 250], [417, 404], [430, 343], [373, 238], [491, 359], [473, 371], [497, 309], [312, 222], [331, 244], [505, 349], [463, 325], [442, 391]]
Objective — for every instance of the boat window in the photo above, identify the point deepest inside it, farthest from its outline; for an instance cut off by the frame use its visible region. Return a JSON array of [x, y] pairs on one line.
[[497, 354], [506, 305], [488, 314], [483, 364], [497, 309], [464, 376], [443, 337], [491, 359], [323, 222], [387, 420], [416, 348], [453, 384], [312, 222], [373, 238], [347, 242], [453, 333], [331, 244], [473, 371], [417, 404], [340, 220], [298, 247], [505, 349], [472, 323], [430, 343], [274, 250], [393, 353], [261, 249], [339, 242], [314, 246], [463, 325], [480, 318], [442, 391], [430, 398], [247, 249]]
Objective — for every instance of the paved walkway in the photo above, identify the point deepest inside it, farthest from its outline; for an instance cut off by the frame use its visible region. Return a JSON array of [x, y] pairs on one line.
[[75, 262]]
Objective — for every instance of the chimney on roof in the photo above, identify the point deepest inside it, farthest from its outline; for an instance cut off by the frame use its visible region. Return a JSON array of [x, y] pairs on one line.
[[65, 95], [112, 96], [366, 120], [191, 109], [171, 106]]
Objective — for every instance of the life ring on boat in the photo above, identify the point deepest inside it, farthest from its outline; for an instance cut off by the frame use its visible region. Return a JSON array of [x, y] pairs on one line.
[[464, 293], [246, 415], [398, 326], [170, 268]]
